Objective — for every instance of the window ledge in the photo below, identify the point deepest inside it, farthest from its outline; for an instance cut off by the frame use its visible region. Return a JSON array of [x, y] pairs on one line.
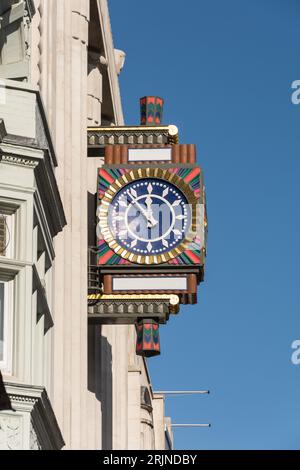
[[10, 268]]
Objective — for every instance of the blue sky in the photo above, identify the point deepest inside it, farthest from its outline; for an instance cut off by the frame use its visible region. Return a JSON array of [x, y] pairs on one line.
[[225, 71]]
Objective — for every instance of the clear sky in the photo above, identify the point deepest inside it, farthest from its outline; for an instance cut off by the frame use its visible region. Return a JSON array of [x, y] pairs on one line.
[[225, 70]]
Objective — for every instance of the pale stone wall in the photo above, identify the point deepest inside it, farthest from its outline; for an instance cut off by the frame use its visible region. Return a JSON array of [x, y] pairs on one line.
[[96, 376], [62, 62]]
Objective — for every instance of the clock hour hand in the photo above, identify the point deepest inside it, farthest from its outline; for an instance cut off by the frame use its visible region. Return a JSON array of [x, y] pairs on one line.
[[151, 219]]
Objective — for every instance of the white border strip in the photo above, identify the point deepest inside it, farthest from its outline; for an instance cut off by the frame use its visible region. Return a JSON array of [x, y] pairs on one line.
[[150, 283], [143, 155]]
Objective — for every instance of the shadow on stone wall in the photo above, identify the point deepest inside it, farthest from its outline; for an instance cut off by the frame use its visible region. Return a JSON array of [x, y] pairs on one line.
[[100, 380], [99, 353], [5, 403]]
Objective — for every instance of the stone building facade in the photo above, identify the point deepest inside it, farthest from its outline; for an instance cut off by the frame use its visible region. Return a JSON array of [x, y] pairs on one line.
[[73, 385]]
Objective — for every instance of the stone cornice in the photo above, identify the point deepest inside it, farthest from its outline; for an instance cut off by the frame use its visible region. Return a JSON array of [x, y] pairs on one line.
[[15, 151], [38, 160], [35, 400], [13, 160], [10, 268]]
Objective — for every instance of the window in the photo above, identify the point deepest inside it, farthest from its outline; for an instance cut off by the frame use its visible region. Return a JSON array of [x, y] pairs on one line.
[[6, 234], [13, 40], [5, 325], [2, 321]]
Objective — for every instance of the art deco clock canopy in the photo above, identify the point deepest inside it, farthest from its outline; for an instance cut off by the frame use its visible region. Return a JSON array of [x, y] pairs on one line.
[[152, 224]]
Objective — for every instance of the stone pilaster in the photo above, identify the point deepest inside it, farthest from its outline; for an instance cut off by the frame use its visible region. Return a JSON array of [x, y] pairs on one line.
[[62, 63]]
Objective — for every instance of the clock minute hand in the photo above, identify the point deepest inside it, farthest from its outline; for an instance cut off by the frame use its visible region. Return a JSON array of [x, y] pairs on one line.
[[143, 211], [150, 217]]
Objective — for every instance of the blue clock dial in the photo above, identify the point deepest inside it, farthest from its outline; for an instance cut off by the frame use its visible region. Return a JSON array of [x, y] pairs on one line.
[[149, 216]]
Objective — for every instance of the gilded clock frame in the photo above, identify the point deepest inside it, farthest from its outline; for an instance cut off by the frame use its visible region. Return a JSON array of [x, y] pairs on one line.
[[133, 175]]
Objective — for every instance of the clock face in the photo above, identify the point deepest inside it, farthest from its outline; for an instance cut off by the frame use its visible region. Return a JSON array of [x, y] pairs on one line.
[[149, 216]]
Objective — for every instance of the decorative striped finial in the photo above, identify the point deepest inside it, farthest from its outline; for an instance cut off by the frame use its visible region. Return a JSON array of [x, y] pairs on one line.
[[151, 110]]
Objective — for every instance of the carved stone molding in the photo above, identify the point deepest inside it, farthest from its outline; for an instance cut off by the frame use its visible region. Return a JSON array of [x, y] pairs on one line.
[[34, 443], [33, 425], [10, 432], [11, 160], [120, 57]]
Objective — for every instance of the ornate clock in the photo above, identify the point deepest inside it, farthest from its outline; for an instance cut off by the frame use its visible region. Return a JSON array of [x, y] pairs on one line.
[[147, 219], [151, 230]]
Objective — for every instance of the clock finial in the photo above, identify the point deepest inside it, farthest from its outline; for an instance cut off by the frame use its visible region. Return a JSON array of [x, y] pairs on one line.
[[151, 110]]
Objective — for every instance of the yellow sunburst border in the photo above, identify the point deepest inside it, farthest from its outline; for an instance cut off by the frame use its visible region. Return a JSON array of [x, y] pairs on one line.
[[124, 180]]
